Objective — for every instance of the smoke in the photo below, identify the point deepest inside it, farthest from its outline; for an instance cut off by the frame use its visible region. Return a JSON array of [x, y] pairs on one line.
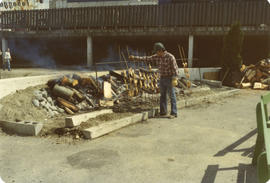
[[32, 52], [113, 60]]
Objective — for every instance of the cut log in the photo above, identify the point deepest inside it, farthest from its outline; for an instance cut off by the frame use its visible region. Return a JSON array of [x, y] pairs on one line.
[[61, 91], [106, 103], [69, 81], [78, 95], [245, 85], [67, 104], [258, 85], [89, 81], [68, 110]]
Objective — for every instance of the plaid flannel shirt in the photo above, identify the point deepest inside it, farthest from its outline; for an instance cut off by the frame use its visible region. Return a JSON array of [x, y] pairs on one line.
[[166, 64]]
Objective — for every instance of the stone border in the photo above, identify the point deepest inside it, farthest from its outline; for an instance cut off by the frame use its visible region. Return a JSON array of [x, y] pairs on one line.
[[105, 128]]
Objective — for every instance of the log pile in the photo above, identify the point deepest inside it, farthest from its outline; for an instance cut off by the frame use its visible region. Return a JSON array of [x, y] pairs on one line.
[[256, 76]]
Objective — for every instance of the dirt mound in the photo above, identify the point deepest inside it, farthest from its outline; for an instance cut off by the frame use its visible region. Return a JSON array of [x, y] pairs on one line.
[[18, 106]]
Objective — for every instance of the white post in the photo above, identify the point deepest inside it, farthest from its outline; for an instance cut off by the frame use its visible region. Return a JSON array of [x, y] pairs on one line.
[[89, 51], [190, 50]]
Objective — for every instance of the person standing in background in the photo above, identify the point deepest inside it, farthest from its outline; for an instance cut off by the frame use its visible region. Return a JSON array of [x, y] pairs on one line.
[[7, 59]]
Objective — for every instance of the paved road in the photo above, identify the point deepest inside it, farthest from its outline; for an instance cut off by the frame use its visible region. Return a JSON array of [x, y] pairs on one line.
[[210, 143]]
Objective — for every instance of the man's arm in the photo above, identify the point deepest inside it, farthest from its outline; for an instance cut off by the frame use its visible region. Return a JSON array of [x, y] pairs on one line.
[[174, 67], [152, 58]]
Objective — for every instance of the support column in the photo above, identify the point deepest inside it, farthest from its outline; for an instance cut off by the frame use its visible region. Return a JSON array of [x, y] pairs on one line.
[[190, 50], [4, 46], [89, 51]]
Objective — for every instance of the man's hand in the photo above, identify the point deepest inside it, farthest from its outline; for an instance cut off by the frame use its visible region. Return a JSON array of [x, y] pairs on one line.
[[174, 81], [131, 57]]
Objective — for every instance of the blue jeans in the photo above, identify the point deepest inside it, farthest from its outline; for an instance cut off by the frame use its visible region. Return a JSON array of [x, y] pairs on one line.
[[6, 64], [166, 87]]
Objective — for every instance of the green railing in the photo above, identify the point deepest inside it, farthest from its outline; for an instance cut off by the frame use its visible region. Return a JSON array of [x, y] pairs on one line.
[[261, 155]]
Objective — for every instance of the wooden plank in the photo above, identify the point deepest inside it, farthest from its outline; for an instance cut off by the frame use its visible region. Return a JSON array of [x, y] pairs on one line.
[[108, 127], [107, 90]]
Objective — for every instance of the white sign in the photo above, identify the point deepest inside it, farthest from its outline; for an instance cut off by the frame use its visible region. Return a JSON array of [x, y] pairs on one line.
[[7, 5], [268, 1]]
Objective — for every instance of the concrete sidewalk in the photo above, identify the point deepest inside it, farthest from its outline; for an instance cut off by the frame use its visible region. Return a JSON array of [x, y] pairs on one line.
[[208, 143]]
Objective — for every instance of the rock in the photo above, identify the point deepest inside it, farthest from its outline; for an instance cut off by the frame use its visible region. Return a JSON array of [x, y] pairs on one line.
[[55, 112], [1, 106], [60, 110], [39, 97], [53, 108], [49, 99], [36, 92], [35, 102], [47, 106], [44, 94], [51, 113], [43, 103]]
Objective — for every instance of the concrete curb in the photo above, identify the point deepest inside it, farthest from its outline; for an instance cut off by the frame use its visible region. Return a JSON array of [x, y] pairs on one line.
[[25, 128]]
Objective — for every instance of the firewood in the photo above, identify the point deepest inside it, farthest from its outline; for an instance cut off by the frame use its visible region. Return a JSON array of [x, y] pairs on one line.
[[106, 103], [69, 81], [250, 74], [258, 85], [245, 85], [67, 104], [80, 97], [116, 75], [61, 91], [68, 110], [90, 101], [258, 74]]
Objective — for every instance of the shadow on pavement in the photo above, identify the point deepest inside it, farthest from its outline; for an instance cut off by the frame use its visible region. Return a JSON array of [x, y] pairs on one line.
[[245, 173], [231, 148]]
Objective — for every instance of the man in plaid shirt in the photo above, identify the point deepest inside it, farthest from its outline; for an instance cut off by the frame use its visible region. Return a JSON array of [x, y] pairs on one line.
[[168, 76]]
